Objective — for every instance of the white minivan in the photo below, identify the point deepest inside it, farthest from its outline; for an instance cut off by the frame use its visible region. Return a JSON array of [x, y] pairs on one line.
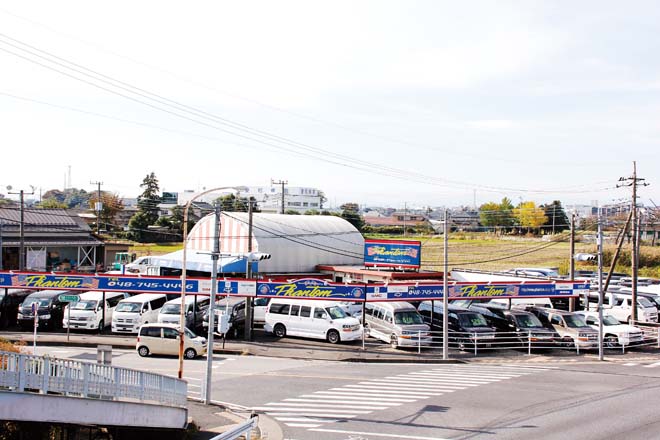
[[311, 319], [88, 314], [140, 309], [194, 310]]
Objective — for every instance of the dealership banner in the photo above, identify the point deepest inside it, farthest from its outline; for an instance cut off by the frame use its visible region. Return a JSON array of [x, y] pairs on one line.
[[106, 283], [417, 292], [392, 253], [312, 288]]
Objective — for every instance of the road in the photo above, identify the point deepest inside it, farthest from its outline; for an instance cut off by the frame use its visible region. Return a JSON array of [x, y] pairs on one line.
[[328, 400]]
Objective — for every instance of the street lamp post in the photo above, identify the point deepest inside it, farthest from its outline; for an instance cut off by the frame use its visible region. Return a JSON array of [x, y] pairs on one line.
[[21, 227], [182, 317]]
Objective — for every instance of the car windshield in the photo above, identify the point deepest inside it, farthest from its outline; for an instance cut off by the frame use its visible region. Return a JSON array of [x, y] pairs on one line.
[[335, 312], [43, 302], [84, 305], [575, 321], [408, 317], [189, 334], [171, 309], [644, 302], [528, 321], [472, 320], [128, 307], [610, 320]]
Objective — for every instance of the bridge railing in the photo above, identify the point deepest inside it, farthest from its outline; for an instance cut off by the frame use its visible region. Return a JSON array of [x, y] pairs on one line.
[[28, 373]]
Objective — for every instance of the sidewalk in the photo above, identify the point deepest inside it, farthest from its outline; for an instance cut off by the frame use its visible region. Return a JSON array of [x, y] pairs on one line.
[[207, 421]]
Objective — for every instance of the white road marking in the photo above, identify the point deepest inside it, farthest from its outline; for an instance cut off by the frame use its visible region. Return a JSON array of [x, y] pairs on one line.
[[652, 365], [630, 364], [368, 389], [327, 405], [377, 434], [316, 400], [278, 409], [352, 393], [359, 398]]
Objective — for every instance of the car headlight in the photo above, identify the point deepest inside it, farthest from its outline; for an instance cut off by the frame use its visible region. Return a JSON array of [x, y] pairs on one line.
[[20, 316], [44, 316]]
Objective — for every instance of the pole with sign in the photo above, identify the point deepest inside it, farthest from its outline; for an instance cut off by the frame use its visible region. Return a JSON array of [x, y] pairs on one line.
[[69, 299]]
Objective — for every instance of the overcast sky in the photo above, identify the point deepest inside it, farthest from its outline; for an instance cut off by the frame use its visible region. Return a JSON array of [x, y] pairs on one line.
[[381, 103]]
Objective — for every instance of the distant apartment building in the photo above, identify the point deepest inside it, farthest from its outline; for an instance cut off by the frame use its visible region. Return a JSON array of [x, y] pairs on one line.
[[300, 199]]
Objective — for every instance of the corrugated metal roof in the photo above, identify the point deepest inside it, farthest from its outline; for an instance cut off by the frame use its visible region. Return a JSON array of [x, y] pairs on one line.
[[43, 220], [64, 241]]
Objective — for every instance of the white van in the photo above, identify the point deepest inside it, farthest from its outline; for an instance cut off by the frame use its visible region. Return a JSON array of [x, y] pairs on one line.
[[87, 314], [132, 312], [619, 305], [311, 319], [194, 311]]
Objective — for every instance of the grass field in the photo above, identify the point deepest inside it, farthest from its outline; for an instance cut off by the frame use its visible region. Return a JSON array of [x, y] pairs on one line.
[[488, 252]]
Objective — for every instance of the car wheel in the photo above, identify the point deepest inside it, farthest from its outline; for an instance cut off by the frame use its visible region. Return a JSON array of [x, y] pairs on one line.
[[190, 353], [101, 325], [611, 341], [143, 351], [279, 330], [333, 336], [394, 341]]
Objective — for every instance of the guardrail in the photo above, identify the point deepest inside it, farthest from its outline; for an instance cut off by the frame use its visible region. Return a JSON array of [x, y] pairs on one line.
[[476, 343], [41, 374], [237, 431]]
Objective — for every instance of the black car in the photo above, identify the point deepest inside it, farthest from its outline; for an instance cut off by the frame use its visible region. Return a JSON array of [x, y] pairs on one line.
[[235, 307], [10, 299], [466, 328], [50, 309], [517, 327]]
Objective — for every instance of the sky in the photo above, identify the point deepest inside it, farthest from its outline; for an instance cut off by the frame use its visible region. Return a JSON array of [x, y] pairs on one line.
[[395, 103]]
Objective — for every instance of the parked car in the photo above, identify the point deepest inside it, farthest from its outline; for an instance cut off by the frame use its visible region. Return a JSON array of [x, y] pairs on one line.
[[466, 328], [137, 310], [194, 311], [50, 309], [571, 327], [165, 339], [311, 319], [88, 313], [397, 323], [615, 334], [516, 327], [10, 300], [619, 304], [235, 307]]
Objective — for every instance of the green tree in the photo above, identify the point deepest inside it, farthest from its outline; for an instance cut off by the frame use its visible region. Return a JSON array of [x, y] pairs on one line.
[[489, 215], [291, 212], [149, 199], [138, 227], [312, 212], [51, 203], [557, 219], [231, 203], [353, 218]]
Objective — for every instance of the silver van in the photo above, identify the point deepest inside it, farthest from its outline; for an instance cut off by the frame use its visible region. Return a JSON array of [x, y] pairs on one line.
[[398, 323]]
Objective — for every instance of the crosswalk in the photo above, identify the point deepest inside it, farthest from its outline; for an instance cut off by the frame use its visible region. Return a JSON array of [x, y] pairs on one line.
[[346, 402], [642, 364]]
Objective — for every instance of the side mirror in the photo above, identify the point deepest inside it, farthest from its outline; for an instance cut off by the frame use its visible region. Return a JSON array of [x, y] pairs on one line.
[[324, 316]]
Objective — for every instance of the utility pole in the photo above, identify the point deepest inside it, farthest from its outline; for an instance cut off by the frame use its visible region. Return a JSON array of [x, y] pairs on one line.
[[21, 227], [215, 256], [280, 182], [633, 181], [249, 310], [571, 263], [98, 206], [445, 292], [600, 289]]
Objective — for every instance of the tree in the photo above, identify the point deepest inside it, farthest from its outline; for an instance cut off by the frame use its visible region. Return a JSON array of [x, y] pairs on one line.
[[557, 219], [138, 227], [291, 212], [489, 215], [51, 203], [149, 199], [353, 218], [112, 205], [231, 203], [322, 199], [530, 216], [312, 212], [352, 207]]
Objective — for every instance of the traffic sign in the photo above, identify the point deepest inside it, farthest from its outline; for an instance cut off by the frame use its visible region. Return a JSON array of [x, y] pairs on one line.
[[69, 298]]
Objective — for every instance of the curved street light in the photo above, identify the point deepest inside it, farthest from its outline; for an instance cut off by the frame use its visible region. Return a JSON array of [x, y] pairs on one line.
[[182, 317]]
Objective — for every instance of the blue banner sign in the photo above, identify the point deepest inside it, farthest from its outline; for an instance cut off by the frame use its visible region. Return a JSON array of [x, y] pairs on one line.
[[312, 288], [392, 253], [415, 292], [97, 282]]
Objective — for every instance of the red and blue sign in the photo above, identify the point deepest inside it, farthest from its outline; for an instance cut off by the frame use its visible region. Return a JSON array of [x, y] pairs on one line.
[[392, 253], [312, 288]]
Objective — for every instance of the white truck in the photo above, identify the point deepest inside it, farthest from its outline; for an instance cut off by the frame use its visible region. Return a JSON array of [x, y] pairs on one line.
[[615, 334]]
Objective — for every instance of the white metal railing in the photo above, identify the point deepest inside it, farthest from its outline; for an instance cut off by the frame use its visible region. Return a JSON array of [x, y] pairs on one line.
[[527, 341], [238, 430], [27, 373]]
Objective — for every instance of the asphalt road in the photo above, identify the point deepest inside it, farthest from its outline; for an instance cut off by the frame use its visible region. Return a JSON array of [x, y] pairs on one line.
[[327, 400]]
